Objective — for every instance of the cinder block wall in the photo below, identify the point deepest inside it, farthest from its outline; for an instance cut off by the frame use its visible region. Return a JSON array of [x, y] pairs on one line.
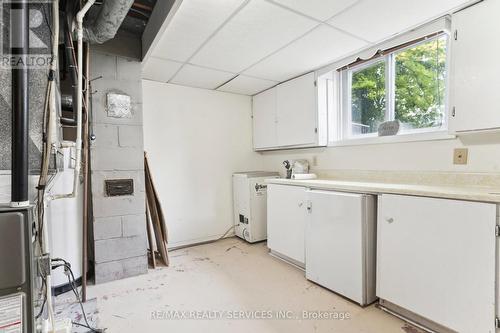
[[117, 153]]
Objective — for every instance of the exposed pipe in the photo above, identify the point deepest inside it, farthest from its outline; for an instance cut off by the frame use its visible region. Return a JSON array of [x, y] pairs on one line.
[[50, 106], [86, 161], [78, 143], [67, 100], [20, 105], [67, 121], [109, 19], [70, 55]]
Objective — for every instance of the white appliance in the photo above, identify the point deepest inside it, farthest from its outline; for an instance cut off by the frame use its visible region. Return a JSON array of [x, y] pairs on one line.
[[341, 243], [250, 204]]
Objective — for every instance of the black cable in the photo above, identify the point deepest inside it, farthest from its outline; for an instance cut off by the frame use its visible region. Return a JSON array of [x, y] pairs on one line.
[[44, 286], [74, 288]]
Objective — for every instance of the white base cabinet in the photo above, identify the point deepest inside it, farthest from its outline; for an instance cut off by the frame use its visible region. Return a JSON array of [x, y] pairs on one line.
[[437, 259], [286, 216], [340, 243]]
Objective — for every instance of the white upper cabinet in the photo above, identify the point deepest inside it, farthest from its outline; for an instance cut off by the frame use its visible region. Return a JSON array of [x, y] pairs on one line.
[[475, 83], [297, 113], [287, 116], [264, 120]]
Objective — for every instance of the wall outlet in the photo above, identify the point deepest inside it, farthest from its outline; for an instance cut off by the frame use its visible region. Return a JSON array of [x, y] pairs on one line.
[[460, 156]]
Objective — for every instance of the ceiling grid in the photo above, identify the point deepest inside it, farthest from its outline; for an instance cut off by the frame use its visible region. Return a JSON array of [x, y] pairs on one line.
[[247, 46]]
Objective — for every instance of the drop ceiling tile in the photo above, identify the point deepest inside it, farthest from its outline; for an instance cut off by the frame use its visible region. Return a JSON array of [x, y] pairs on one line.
[[159, 69], [192, 24], [378, 20], [256, 31], [200, 77], [319, 9], [246, 85], [318, 48]]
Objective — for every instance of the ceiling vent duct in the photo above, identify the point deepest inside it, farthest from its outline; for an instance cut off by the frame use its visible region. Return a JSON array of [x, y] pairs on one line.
[[107, 22]]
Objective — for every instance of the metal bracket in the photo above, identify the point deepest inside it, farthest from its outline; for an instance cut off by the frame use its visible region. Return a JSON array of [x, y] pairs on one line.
[[44, 266]]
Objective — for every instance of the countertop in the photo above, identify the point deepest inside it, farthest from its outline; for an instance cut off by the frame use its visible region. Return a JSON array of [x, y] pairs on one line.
[[469, 193]]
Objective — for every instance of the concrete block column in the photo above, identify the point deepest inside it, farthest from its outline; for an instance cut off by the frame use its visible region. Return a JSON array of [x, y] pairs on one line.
[[117, 153]]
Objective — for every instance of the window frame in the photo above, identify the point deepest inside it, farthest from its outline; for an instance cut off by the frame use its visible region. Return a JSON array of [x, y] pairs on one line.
[[340, 113]]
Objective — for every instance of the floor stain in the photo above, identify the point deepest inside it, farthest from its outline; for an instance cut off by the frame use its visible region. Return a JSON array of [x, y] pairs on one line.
[[117, 316], [407, 328], [201, 259], [237, 248]]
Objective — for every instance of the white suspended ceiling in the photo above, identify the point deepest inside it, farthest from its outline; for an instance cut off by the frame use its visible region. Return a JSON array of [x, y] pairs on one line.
[[247, 46]]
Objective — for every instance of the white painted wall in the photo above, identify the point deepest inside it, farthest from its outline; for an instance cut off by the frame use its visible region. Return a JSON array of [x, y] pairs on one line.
[[196, 139], [484, 152]]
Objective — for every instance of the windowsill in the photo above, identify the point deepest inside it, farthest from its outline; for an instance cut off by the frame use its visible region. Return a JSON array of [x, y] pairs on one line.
[[401, 138]]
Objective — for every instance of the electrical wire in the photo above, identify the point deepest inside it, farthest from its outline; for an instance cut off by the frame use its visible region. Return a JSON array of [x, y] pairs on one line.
[[207, 242], [225, 234], [44, 286], [74, 288]]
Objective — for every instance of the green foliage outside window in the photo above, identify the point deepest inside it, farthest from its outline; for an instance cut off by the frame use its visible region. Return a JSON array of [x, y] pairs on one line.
[[420, 77], [420, 84]]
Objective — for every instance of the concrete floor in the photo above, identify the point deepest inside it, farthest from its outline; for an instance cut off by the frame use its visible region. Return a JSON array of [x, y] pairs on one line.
[[231, 276]]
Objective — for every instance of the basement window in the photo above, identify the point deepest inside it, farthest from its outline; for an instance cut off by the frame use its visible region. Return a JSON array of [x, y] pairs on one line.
[[403, 86]]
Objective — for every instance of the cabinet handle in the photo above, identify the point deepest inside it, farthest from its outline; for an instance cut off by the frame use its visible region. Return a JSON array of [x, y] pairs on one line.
[[389, 219], [453, 112]]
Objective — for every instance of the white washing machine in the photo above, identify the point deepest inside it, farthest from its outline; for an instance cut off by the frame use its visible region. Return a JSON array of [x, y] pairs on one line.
[[250, 204]]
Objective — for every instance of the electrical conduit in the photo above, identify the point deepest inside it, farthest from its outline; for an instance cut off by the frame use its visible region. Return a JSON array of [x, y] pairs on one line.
[[79, 95]]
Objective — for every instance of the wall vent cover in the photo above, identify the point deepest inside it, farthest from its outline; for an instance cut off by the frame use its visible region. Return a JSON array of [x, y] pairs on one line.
[[118, 187]]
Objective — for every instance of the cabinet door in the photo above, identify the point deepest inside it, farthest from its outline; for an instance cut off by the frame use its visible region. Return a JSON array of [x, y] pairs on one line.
[[337, 237], [297, 112], [264, 120], [436, 258], [286, 215], [475, 83]]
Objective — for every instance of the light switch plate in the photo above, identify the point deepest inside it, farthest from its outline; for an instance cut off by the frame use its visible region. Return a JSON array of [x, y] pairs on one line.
[[460, 156]]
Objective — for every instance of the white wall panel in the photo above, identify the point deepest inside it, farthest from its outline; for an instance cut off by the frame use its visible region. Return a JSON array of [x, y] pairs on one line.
[[256, 31], [194, 76], [195, 140], [160, 70], [193, 23], [377, 20], [319, 9], [320, 47], [247, 85]]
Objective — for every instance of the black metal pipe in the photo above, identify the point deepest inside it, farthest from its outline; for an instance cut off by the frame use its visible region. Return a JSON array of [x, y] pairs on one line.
[[20, 104], [70, 55]]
